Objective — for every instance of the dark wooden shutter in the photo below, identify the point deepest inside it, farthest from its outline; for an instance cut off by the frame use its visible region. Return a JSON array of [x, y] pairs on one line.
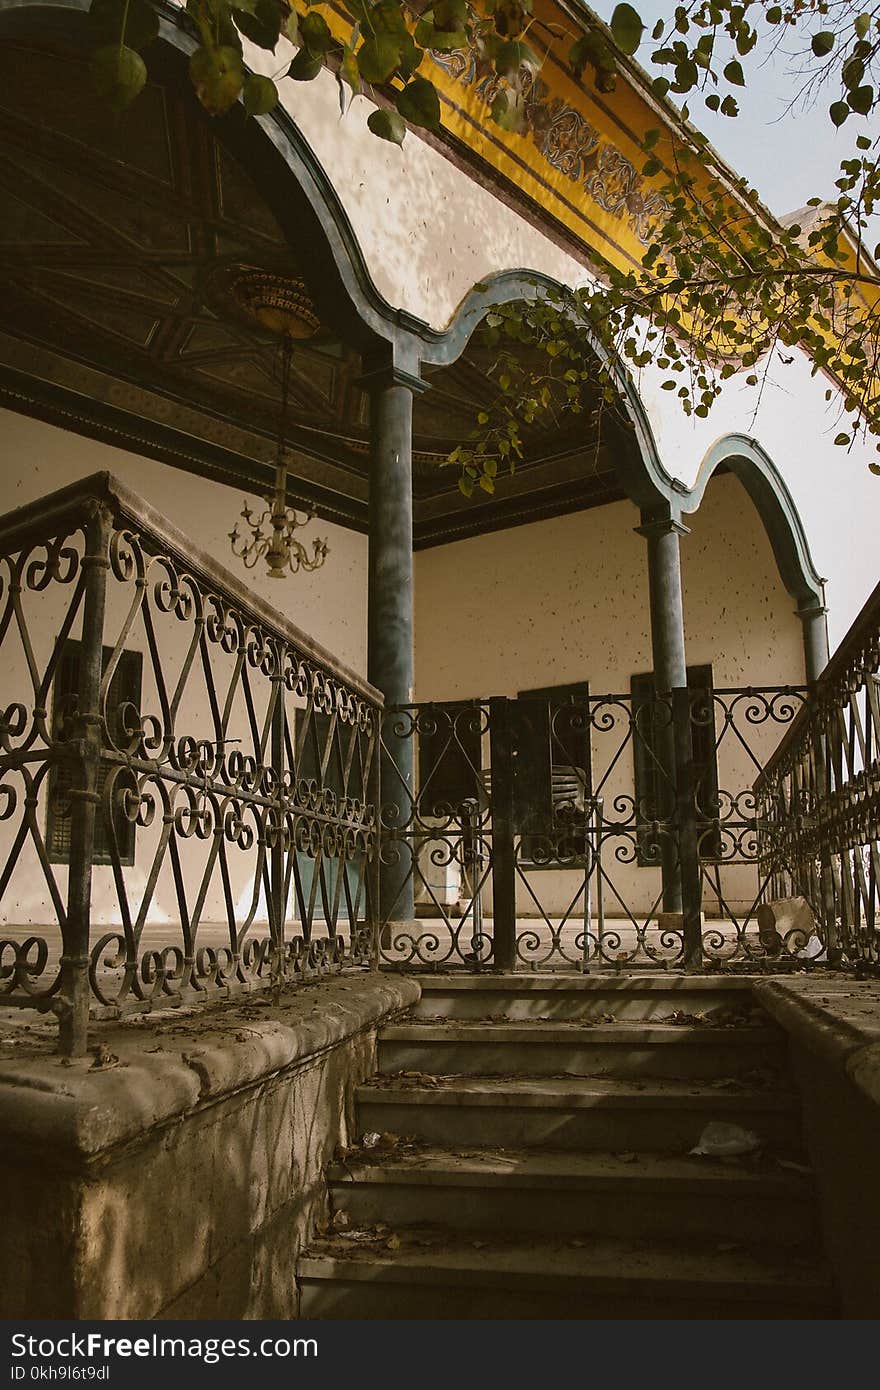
[[555, 717], [705, 760], [450, 758], [653, 790]]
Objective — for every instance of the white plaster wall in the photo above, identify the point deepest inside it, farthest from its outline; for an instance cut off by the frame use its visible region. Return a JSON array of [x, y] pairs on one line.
[[427, 230], [329, 605], [567, 600]]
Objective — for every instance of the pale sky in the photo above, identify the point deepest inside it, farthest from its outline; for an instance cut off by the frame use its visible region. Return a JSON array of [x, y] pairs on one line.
[[788, 158]]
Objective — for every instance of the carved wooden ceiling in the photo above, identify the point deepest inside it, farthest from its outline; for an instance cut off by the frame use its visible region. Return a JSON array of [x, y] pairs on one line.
[[112, 239]]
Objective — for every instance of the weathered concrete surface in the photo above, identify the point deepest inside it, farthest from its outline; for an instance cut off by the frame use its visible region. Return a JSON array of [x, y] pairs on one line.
[[179, 1177], [833, 1023]]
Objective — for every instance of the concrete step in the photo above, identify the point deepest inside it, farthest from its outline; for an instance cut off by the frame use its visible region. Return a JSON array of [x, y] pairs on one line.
[[630, 998], [436, 1274], [573, 1049], [585, 1113], [633, 1196]]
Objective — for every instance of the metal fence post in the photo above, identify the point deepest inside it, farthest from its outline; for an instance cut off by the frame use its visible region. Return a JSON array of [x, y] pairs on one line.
[[372, 869], [501, 755], [688, 839], [277, 882], [822, 790], [72, 1001]]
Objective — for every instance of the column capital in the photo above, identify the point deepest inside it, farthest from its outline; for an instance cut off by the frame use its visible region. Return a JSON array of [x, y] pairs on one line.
[[812, 607], [661, 526], [381, 377]]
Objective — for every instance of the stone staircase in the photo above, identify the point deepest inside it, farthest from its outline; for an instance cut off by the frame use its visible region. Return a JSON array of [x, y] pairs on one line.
[[524, 1153]]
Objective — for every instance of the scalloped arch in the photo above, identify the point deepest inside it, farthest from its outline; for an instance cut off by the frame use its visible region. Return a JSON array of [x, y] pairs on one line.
[[763, 482]]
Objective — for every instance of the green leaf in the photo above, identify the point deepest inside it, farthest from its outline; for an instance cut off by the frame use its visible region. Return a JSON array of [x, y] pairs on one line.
[[626, 28], [446, 40], [349, 71], [729, 107], [686, 75], [852, 73], [822, 43], [651, 167], [452, 14], [378, 57], [590, 48], [133, 23], [838, 111], [861, 100], [424, 30], [841, 439], [262, 24], [315, 33], [388, 125], [862, 24], [513, 56], [713, 101], [419, 104], [260, 95], [305, 66], [410, 57], [507, 113], [387, 17], [774, 14], [218, 77], [734, 74], [119, 75]]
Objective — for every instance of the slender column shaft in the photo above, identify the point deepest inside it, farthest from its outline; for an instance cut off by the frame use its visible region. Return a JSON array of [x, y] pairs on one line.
[[680, 862], [72, 1001], [814, 619], [667, 612], [390, 662]]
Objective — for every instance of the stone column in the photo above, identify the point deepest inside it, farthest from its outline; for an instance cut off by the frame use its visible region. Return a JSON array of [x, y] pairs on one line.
[[390, 665], [680, 863], [813, 616]]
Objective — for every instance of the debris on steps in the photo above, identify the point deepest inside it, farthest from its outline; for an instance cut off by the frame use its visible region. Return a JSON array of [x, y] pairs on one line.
[[556, 1157]]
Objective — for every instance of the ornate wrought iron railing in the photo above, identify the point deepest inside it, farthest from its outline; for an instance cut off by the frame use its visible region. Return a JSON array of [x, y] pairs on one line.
[[546, 834], [819, 800], [188, 785]]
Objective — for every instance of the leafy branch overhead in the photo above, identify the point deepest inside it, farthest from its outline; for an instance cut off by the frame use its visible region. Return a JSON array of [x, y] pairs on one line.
[[722, 286], [384, 50]]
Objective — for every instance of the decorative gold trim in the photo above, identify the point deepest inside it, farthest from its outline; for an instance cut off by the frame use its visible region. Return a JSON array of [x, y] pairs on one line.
[[571, 146]]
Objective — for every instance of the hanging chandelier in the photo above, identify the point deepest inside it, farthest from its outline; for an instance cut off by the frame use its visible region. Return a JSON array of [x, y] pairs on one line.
[[282, 305]]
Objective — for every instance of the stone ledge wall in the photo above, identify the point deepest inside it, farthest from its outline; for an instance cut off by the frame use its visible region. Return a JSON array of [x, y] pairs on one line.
[[177, 1172], [833, 1025]]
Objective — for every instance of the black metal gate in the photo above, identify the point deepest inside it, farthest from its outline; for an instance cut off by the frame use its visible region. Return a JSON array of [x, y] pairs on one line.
[[553, 832]]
